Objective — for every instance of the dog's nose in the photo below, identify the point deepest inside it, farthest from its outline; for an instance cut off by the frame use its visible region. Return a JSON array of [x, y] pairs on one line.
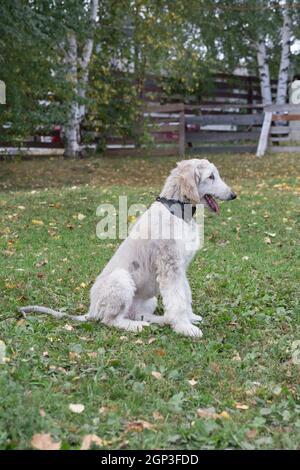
[[232, 196]]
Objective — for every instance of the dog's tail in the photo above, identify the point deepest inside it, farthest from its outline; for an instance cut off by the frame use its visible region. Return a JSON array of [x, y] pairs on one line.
[[50, 311]]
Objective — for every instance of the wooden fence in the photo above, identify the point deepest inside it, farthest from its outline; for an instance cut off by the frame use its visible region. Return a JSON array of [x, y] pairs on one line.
[[220, 88], [275, 134], [229, 118]]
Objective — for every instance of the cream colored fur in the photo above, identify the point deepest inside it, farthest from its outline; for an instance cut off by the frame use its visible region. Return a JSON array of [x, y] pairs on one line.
[[124, 294]]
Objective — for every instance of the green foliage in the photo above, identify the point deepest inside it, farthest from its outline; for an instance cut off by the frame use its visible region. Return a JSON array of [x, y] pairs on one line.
[[182, 41]]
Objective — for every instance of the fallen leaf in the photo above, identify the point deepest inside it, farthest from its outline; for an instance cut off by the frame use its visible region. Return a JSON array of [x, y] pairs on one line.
[[224, 415], [37, 222], [92, 354], [42, 413], [210, 413], [81, 216], [237, 357], [138, 426], [52, 233], [73, 355], [90, 439], [10, 286], [155, 374], [151, 340], [251, 434], [103, 410], [41, 263], [160, 352], [192, 382], [76, 407], [44, 442], [270, 234], [268, 240], [240, 406], [207, 413], [157, 416], [138, 341], [68, 327]]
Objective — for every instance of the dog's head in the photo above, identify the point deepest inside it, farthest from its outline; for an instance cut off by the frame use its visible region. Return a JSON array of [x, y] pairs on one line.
[[200, 183]]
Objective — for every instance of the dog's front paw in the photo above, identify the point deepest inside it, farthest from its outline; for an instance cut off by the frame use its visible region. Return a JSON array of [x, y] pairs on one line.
[[196, 318], [188, 329]]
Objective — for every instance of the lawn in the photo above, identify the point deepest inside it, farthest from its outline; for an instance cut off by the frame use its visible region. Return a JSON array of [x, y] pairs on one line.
[[238, 387]]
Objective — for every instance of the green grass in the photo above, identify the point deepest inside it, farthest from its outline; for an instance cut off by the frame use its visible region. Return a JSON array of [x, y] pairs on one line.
[[245, 284]]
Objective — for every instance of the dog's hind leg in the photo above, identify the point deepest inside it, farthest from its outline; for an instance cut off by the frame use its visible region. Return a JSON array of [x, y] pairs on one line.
[[142, 309], [111, 299]]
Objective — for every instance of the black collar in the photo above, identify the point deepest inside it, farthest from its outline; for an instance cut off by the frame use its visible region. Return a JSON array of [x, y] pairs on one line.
[[182, 210]]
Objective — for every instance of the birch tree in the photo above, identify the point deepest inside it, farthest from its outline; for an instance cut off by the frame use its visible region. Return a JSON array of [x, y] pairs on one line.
[[258, 34], [77, 72], [283, 75], [264, 72]]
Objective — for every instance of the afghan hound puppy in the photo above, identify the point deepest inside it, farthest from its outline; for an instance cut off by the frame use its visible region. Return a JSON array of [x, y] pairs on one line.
[[154, 257]]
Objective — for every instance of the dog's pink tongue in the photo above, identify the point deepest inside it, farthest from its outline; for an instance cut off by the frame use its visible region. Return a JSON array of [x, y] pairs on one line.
[[212, 203]]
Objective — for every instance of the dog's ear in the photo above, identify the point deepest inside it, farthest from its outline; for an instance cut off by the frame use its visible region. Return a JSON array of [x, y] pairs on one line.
[[189, 180]]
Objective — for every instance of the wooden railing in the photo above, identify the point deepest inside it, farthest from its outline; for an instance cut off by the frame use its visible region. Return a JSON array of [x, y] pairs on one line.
[[278, 134], [179, 129]]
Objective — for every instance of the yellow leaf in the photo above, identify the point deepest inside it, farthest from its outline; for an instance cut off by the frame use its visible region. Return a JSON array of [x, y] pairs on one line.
[[224, 415], [209, 413], [10, 286], [37, 222], [240, 406]]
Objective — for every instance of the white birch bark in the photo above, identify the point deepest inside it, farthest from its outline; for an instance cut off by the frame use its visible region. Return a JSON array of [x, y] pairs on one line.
[[283, 75], [264, 73], [81, 64], [72, 127], [84, 61]]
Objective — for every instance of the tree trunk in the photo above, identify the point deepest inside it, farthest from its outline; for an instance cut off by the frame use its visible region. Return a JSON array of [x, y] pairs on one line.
[[72, 133], [264, 73], [73, 148], [285, 57], [86, 58], [72, 138]]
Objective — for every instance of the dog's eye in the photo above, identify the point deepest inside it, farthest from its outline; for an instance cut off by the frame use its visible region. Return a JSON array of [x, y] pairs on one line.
[[212, 177]]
